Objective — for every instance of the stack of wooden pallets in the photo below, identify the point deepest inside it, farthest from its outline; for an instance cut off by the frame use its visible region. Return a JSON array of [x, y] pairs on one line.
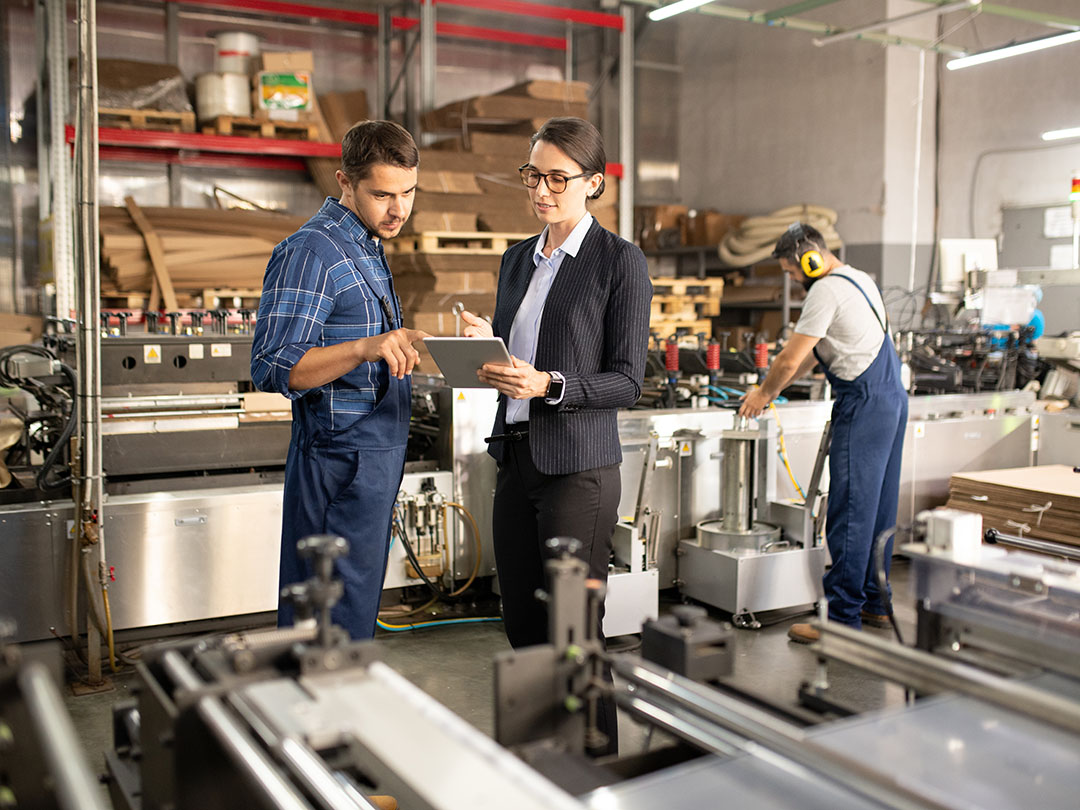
[[1040, 502], [685, 305]]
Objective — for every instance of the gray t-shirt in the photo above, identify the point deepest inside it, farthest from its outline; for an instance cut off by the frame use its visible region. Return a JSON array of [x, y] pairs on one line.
[[835, 311]]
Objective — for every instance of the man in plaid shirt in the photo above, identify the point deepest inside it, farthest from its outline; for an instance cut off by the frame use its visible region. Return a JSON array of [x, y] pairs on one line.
[[329, 336]]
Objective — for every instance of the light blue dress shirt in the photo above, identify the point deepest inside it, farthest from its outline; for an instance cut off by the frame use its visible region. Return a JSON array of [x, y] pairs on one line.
[[526, 326]]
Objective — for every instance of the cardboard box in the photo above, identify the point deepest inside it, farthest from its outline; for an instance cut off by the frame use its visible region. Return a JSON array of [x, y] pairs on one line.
[[288, 61], [446, 182], [19, 329], [660, 226], [285, 91], [422, 221], [709, 227]]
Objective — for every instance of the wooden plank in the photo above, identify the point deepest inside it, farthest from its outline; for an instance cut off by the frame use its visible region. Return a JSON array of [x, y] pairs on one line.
[[256, 128], [157, 255], [453, 242], [710, 287], [550, 90]]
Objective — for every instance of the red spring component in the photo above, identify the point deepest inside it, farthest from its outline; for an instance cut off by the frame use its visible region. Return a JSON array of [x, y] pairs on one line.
[[671, 356], [712, 357], [761, 355]]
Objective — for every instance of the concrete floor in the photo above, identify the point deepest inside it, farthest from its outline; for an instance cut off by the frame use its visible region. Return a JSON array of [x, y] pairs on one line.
[[454, 665]]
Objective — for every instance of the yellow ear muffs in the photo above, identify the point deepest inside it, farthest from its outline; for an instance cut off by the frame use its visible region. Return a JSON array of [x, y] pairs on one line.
[[812, 264]]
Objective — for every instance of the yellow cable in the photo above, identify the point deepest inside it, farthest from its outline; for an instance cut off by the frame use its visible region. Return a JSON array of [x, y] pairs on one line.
[[783, 451]]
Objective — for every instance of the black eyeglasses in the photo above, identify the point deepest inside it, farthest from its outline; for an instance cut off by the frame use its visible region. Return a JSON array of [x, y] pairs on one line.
[[556, 183]]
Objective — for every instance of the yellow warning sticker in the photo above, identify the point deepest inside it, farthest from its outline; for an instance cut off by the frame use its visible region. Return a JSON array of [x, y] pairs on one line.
[[684, 449], [151, 353], [461, 396], [920, 430], [221, 350]]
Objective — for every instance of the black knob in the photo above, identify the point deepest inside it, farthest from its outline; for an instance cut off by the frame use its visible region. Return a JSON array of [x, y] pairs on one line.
[[151, 322], [123, 318], [174, 321], [688, 615]]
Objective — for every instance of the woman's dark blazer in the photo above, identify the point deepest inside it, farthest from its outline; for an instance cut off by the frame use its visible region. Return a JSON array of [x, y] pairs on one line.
[[595, 331]]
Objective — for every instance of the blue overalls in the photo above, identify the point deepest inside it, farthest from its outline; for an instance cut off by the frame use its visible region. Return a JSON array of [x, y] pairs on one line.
[[869, 418], [344, 482]]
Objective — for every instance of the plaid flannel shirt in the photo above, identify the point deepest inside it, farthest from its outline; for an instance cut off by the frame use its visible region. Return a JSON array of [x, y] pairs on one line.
[[314, 295]]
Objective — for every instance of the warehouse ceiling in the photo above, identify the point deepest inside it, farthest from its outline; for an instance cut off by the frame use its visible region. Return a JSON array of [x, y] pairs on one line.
[[965, 28]]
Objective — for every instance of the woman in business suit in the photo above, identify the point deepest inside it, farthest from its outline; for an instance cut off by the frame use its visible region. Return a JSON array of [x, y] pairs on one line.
[[573, 308]]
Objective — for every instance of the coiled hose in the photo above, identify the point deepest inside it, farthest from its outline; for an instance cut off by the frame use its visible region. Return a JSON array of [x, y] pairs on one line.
[[753, 241]]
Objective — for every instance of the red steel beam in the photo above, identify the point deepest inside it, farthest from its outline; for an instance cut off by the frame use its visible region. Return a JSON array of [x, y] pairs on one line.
[[500, 35], [233, 144], [542, 10], [201, 160]]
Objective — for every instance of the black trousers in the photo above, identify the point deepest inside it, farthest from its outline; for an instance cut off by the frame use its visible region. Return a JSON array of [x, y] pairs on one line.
[[531, 507]]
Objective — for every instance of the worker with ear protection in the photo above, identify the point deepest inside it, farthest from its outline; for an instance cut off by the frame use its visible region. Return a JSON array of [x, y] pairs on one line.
[[844, 327]]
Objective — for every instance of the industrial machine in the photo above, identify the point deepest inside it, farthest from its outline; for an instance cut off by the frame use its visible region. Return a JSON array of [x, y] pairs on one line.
[[41, 761], [741, 563], [305, 718]]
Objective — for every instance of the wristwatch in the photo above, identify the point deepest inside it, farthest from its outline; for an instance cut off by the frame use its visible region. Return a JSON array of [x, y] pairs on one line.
[[554, 393]]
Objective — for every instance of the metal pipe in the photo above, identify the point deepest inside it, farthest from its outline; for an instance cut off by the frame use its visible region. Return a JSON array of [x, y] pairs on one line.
[[763, 736], [993, 536], [75, 786], [234, 738], [928, 673], [428, 60], [858, 31], [59, 165], [736, 493], [812, 26], [626, 124]]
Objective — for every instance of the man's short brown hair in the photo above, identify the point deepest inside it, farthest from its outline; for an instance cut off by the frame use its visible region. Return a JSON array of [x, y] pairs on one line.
[[372, 142]]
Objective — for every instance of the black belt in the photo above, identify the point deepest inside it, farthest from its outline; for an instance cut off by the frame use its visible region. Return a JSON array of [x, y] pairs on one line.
[[514, 433]]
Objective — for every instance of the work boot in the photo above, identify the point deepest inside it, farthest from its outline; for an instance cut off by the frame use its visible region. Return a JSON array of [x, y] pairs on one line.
[[878, 620], [803, 633]]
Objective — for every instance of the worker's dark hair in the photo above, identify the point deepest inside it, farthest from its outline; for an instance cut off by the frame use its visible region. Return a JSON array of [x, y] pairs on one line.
[[370, 143], [797, 240], [581, 142]]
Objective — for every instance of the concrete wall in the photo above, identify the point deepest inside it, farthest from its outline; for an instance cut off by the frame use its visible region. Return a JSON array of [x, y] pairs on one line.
[[769, 120], [750, 140], [993, 116]]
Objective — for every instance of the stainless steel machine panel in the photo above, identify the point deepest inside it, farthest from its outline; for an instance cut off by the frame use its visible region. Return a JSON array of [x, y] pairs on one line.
[[1059, 438], [178, 557], [474, 470], [750, 582]]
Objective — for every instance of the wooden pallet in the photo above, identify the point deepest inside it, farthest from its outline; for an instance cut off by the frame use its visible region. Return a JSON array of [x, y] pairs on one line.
[[158, 120], [253, 128], [666, 328], [684, 307], [688, 286], [478, 243], [212, 298]]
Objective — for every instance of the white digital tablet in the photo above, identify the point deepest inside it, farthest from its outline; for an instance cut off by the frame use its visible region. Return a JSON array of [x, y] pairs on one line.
[[459, 358]]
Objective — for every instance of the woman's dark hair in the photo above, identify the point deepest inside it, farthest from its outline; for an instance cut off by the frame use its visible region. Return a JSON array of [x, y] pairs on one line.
[[579, 140], [372, 142]]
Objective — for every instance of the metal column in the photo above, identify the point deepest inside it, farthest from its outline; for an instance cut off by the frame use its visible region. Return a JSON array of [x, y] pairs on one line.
[[382, 65], [59, 171], [91, 522], [626, 124], [568, 69], [427, 61]]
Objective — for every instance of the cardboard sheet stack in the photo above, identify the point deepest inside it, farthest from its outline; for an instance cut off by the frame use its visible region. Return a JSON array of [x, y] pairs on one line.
[[202, 250], [1040, 502]]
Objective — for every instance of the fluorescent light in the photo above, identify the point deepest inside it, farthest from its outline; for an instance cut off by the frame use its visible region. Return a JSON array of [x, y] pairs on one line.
[[1061, 134], [1013, 50], [678, 7]]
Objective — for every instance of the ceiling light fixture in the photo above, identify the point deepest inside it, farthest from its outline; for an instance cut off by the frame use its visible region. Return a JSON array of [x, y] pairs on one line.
[[1061, 134], [1013, 50], [678, 7]]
